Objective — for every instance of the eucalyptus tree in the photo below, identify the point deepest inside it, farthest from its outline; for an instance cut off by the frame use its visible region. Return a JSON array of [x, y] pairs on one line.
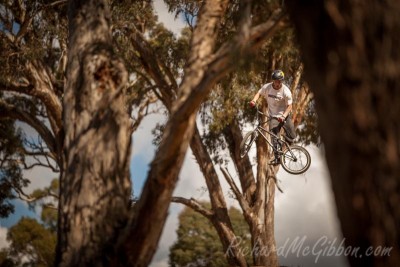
[[31, 243], [31, 83], [33, 38]]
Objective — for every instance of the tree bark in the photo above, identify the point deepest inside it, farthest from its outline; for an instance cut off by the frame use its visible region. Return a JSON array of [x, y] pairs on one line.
[[270, 243], [95, 188], [233, 137], [352, 59], [264, 207], [220, 218]]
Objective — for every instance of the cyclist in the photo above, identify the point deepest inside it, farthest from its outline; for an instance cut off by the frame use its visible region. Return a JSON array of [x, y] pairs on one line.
[[279, 100]]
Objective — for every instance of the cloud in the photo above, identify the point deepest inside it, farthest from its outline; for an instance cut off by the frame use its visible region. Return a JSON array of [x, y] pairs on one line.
[[306, 210], [40, 177], [168, 237], [170, 22], [3, 238], [142, 140]]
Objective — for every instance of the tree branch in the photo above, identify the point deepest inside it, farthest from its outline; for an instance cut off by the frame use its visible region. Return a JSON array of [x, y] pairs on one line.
[[13, 112], [242, 201], [193, 204], [23, 88], [142, 112], [152, 65], [233, 137], [44, 90]]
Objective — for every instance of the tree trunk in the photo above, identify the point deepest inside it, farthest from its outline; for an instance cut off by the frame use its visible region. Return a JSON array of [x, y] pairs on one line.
[[270, 243], [262, 227], [352, 59], [95, 190], [221, 219], [233, 137]]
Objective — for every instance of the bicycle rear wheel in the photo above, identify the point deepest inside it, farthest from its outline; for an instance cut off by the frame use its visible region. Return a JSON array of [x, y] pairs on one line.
[[295, 160], [246, 143]]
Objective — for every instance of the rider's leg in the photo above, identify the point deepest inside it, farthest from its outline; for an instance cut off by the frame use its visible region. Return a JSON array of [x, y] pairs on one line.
[[290, 132]]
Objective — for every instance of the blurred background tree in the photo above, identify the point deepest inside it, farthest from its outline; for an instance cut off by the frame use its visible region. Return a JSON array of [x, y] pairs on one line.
[[198, 244]]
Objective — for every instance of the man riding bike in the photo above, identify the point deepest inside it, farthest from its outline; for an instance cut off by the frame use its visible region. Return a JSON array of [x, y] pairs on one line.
[[279, 100]]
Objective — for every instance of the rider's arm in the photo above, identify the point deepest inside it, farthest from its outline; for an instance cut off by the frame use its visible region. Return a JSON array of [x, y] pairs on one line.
[[287, 111], [256, 97]]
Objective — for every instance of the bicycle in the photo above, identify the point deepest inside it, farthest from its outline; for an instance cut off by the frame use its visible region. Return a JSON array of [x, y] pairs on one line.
[[294, 159]]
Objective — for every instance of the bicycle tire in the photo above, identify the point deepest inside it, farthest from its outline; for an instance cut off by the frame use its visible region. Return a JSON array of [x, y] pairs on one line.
[[302, 159], [246, 143]]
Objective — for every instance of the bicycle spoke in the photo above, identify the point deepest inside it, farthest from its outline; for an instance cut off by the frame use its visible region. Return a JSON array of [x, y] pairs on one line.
[[296, 160]]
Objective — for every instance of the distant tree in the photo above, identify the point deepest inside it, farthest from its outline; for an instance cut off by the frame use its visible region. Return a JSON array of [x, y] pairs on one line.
[[198, 244], [47, 198], [31, 243]]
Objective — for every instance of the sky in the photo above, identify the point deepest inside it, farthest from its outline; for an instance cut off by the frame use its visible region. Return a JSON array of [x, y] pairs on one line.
[[305, 215]]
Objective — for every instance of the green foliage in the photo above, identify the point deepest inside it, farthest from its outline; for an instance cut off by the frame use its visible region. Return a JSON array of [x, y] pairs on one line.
[[10, 172], [33, 33], [198, 243], [49, 218], [47, 198], [31, 239], [189, 9], [48, 25], [33, 242]]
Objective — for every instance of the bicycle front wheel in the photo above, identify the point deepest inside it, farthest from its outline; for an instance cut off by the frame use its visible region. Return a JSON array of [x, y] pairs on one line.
[[246, 143], [295, 159]]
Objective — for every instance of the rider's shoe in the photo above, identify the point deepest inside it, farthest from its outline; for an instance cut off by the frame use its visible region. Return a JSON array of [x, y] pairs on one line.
[[275, 161]]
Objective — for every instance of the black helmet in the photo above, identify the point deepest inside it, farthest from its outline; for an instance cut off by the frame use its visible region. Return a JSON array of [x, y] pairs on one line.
[[278, 75]]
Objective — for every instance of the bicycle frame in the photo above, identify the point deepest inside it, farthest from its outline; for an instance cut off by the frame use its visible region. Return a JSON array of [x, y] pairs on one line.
[[286, 156], [259, 129]]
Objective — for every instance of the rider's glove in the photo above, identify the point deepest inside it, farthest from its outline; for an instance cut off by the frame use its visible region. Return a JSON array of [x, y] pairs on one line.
[[281, 119], [252, 104]]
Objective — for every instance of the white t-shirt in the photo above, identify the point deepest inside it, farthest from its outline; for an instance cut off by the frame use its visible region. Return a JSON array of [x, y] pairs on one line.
[[277, 100]]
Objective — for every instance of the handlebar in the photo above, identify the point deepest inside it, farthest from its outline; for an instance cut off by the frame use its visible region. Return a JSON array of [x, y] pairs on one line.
[[262, 113]]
